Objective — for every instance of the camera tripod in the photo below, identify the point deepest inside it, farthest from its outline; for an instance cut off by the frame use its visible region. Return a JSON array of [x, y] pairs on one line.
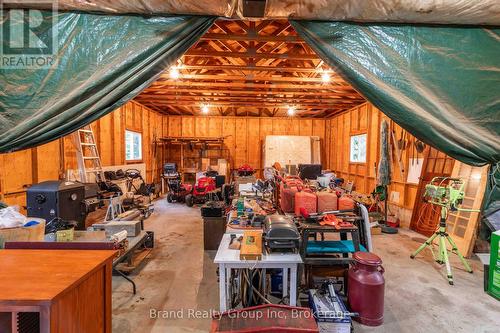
[[442, 257]]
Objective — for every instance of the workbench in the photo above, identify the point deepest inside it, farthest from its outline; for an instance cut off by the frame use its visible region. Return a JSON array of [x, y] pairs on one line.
[[48, 287], [229, 259], [316, 252]]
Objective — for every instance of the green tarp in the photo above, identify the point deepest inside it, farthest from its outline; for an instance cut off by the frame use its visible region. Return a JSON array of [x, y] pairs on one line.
[[101, 62], [442, 84]]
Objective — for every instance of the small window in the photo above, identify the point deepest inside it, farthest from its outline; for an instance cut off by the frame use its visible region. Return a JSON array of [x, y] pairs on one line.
[[133, 146], [358, 148]]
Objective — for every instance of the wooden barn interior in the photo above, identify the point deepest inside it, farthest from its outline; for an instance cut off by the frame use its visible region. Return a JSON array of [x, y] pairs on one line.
[[153, 248]]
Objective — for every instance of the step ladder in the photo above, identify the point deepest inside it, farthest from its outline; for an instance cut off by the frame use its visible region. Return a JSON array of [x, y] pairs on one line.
[[87, 155]]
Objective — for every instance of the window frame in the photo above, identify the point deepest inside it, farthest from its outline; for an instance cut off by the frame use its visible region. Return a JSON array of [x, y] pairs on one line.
[[351, 135], [141, 147]]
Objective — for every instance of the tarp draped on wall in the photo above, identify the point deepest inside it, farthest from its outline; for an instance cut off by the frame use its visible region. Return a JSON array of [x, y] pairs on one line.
[[442, 84], [101, 62]]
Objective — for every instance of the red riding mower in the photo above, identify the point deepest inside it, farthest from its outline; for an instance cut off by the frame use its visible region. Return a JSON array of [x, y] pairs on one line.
[[204, 190], [245, 170]]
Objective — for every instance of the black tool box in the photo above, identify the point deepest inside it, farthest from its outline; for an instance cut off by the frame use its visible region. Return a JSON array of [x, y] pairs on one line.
[[213, 209]]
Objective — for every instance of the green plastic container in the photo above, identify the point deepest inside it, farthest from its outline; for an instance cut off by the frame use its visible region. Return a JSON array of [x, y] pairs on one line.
[[494, 280]]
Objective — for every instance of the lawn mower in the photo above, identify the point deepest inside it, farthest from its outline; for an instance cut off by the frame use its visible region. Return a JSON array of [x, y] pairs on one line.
[[138, 197], [178, 191], [204, 190], [245, 170]]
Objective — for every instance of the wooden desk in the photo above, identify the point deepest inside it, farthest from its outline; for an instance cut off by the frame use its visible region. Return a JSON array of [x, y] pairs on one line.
[[69, 289]]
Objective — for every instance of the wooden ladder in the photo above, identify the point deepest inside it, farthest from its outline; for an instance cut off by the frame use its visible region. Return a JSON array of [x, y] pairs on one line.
[[87, 154]]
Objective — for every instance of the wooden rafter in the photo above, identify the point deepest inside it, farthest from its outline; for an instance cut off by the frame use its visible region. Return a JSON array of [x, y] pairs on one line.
[[255, 68]]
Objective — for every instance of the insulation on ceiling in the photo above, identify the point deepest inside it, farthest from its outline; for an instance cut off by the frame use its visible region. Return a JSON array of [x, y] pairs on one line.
[[474, 12], [186, 7]]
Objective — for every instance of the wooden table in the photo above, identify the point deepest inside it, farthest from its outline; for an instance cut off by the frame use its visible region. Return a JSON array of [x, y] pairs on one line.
[[70, 290]]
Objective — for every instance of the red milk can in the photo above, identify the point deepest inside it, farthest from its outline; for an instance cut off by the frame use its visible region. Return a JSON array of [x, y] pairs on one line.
[[365, 288]]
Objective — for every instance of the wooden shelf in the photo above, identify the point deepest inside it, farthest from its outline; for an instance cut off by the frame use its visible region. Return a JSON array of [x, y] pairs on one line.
[[186, 151]]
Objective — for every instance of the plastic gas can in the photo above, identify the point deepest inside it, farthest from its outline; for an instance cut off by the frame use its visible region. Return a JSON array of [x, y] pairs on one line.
[[346, 202], [307, 200], [287, 198], [327, 201]]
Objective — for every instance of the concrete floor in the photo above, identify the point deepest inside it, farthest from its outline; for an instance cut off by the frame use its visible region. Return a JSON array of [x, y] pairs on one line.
[[180, 278]]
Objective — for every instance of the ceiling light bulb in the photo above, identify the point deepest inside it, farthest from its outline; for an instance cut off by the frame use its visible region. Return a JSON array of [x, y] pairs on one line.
[[174, 73], [291, 111], [204, 109], [325, 77]]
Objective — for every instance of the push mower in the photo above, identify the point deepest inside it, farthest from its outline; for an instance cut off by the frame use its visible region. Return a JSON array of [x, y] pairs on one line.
[[204, 190], [138, 197]]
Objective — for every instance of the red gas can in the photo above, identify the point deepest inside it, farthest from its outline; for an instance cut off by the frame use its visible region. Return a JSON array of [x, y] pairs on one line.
[[305, 200], [327, 201], [287, 198], [346, 202], [365, 288]]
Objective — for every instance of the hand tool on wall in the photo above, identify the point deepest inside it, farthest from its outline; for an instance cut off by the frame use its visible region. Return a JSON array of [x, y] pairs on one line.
[[398, 154], [419, 146], [402, 140]]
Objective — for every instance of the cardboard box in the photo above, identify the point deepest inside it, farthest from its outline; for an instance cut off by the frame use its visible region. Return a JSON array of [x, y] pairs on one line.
[[33, 233], [65, 235], [377, 230], [205, 163], [331, 314], [251, 245]]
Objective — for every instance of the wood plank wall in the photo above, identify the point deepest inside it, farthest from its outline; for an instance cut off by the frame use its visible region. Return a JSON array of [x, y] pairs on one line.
[[244, 136], [367, 119], [50, 161], [244, 139]]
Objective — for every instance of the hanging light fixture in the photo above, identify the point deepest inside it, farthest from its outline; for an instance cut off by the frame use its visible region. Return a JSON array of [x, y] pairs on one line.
[[291, 111], [204, 108], [174, 73]]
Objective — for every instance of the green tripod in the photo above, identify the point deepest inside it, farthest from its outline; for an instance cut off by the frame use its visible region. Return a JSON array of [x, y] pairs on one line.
[[448, 197], [442, 257]]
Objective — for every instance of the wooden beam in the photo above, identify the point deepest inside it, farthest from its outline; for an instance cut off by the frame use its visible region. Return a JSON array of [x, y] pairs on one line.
[[255, 111], [250, 54], [276, 99], [252, 68], [197, 102], [150, 93], [251, 77], [248, 37], [317, 87]]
